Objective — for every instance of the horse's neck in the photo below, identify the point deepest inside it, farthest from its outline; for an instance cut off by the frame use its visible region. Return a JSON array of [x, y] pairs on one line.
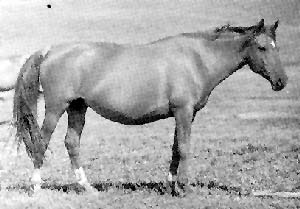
[[226, 59], [220, 73]]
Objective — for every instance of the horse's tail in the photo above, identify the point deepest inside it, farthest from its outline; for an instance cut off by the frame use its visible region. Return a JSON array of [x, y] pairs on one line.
[[25, 106]]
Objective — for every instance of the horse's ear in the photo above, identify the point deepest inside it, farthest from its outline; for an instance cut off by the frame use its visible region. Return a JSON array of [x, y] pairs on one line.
[[275, 26], [261, 22], [259, 27]]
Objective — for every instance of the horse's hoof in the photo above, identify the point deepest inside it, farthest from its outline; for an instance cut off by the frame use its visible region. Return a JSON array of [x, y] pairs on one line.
[[33, 189], [179, 189], [184, 189], [171, 188], [36, 187], [90, 189]]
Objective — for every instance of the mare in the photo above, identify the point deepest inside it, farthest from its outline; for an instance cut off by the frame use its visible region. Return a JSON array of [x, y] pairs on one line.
[[135, 85]]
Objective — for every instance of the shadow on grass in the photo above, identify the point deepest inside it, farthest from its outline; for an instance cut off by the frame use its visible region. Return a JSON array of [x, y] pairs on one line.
[[127, 187]]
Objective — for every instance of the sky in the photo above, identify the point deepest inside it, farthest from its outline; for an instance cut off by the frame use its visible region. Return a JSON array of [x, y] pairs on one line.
[[28, 25]]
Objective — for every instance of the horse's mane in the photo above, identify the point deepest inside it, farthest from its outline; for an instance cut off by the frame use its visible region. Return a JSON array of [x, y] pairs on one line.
[[222, 32], [234, 29]]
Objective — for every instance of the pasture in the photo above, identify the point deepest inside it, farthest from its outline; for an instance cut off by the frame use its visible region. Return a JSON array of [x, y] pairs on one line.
[[245, 139]]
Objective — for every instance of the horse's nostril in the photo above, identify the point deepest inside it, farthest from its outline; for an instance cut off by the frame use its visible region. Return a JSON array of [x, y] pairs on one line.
[[279, 82]]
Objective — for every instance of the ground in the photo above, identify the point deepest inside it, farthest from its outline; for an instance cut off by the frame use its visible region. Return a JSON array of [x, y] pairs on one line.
[[245, 139]]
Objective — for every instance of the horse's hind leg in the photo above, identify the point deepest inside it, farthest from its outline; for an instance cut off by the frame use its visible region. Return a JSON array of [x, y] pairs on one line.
[[76, 120], [52, 116]]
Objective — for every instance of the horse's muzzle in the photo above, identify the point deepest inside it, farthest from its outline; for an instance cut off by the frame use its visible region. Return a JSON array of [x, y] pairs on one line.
[[279, 84]]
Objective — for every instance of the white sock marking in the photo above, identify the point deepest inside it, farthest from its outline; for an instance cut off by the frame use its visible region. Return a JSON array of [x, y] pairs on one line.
[[80, 176], [170, 177], [36, 179], [36, 176], [273, 44]]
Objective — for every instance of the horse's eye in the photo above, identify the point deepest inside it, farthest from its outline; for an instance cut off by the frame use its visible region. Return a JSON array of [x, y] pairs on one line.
[[262, 48]]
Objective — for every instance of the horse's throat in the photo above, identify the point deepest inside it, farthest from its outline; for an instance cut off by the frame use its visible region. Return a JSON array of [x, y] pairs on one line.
[[223, 71]]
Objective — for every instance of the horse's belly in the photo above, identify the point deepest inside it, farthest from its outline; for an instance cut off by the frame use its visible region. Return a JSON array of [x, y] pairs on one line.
[[131, 113], [133, 91], [136, 103], [129, 118]]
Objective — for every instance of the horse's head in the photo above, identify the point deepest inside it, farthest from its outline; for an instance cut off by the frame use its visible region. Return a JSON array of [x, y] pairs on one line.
[[263, 55]]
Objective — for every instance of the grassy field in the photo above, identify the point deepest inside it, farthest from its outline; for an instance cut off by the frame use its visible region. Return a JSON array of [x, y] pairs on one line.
[[245, 139]]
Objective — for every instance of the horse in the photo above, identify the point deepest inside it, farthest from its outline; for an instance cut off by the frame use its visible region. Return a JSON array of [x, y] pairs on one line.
[[137, 84]]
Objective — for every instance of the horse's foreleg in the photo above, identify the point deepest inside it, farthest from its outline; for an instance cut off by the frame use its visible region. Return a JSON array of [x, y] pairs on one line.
[[181, 149], [76, 120]]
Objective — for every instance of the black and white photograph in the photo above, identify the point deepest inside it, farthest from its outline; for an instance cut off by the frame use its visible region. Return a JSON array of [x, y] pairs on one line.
[[149, 104]]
